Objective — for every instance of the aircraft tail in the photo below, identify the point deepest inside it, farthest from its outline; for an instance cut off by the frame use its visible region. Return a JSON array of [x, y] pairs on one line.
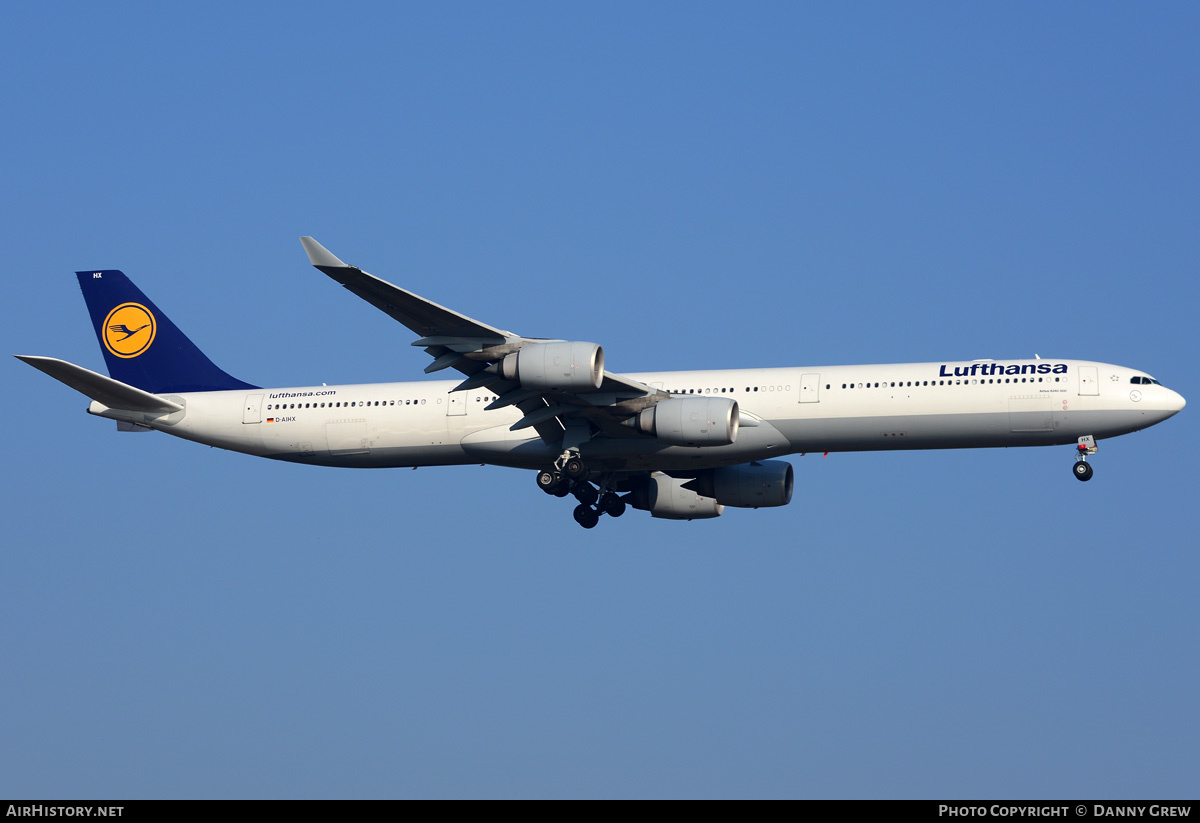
[[141, 346]]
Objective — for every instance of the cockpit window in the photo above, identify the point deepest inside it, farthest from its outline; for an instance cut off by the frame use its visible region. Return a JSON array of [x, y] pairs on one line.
[[1146, 381]]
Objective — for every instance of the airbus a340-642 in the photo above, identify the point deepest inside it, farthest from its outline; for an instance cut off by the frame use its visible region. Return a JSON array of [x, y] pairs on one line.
[[681, 445]]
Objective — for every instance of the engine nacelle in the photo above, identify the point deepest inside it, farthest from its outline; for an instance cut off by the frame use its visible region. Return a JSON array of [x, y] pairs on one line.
[[666, 497], [691, 421], [748, 486], [556, 366]]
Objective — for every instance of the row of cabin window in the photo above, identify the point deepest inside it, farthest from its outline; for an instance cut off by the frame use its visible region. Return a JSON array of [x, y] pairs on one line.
[[749, 389], [347, 405], [902, 384]]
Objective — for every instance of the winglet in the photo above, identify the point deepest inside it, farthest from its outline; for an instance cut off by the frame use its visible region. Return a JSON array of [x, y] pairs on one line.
[[318, 255]]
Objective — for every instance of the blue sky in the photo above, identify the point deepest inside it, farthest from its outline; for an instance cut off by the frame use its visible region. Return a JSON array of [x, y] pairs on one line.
[[691, 185]]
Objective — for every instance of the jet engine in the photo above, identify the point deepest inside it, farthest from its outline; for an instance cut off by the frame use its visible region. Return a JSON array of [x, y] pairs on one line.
[[691, 421], [665, 497], [748, 486], [560, 366]]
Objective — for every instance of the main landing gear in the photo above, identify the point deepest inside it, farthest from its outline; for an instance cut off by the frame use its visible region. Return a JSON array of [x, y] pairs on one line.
[[1087, 445], [593, 501], [609, 503]]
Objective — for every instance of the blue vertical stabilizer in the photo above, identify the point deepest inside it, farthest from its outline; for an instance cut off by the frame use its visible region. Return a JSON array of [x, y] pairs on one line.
[[141, 345]]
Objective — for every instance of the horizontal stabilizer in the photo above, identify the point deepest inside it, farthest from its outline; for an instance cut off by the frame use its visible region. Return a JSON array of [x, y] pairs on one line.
[[112, 393]]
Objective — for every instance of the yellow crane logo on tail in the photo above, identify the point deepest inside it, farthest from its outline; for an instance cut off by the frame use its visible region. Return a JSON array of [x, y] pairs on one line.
[[129, 330]]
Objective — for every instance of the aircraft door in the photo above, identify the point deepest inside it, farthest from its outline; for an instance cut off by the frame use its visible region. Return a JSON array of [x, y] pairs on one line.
[[252, 412], [456, 403], [347, 437], [1089, 383], [1031, 413], [810, 388]]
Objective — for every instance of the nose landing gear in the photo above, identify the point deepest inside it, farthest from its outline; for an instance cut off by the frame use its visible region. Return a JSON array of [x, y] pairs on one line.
[[1087, 445]]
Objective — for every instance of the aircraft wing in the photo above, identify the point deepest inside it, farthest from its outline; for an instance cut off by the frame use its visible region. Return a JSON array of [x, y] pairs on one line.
[[424, 317], [475, 349]]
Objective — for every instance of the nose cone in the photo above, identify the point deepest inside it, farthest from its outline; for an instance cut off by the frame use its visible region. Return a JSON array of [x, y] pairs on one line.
[[1165, 404]]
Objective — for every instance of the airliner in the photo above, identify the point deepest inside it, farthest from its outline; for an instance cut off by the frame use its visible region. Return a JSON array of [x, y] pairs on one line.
[[680, 445]]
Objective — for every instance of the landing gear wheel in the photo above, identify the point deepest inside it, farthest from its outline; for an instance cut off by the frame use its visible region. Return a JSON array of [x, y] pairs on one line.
[[1083, 471], [586, 516], [612, 505], [585, 493], [548, 481], [574, 468]]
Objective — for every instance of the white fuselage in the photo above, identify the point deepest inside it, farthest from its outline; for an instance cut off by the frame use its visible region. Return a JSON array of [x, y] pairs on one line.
[[823, 408]]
